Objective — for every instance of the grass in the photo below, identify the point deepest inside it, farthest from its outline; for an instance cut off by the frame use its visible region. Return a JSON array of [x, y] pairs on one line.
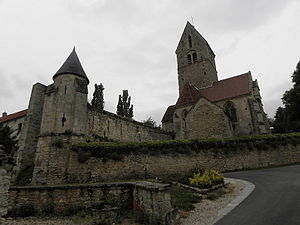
[[216, 194], [81, 218], [220, 192], [183, 199]]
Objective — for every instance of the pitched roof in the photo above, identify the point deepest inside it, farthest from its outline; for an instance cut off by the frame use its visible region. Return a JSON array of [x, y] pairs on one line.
[[220, 90], [72, 65], [227, 88], [189, 94], [189, 27], [13, 116], [168, 116]]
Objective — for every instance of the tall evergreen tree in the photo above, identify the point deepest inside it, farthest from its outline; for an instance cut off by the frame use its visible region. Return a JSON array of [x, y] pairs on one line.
[[98, 97], [124, 108]]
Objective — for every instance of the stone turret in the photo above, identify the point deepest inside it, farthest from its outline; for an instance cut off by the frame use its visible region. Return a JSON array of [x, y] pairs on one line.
[[64, 121], [195, 60], [65, 107]]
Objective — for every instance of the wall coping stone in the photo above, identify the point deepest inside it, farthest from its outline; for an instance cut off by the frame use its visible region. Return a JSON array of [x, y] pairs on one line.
[[141, 184]]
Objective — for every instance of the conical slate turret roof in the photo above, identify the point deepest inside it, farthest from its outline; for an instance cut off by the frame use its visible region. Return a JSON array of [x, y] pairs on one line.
[[72, 65]]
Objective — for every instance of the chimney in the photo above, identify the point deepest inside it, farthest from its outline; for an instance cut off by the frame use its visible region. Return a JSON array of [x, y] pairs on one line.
[[4, 114]]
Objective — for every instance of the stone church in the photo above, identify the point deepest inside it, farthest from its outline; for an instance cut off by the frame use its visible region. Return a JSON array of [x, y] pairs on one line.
[[208, 107]]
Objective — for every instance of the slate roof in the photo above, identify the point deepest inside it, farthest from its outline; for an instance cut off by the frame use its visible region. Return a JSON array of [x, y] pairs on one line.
[[13, 116], [72, 65], [220, 90]]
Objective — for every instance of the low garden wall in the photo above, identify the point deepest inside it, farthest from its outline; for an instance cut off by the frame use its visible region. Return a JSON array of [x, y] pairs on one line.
[[150, 202]]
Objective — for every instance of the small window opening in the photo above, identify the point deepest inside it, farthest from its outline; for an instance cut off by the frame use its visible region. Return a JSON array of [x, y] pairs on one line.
[[194, 57], [63, 120], [107, 125], [190, 42], [65, 89], [19, 127], [121, 130], [189, 58]]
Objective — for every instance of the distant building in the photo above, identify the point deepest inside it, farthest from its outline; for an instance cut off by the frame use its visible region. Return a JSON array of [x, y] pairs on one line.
[[208, 107]]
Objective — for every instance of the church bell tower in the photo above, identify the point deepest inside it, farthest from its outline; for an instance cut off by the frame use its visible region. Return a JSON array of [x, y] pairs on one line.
[[195, 60]]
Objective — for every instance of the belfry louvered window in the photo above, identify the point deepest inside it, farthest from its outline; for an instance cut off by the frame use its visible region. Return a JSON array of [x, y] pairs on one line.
[[189, 58], [195, 57]]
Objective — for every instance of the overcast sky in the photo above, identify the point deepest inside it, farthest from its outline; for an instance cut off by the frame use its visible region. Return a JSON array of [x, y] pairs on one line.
[[130, 44]]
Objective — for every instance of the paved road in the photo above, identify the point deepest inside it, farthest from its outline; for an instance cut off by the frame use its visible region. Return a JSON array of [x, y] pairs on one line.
[[274, 201]]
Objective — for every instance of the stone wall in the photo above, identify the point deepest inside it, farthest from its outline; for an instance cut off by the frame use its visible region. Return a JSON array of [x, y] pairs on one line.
[[108, 125], [30, 131], [170, 165], [150, 202]]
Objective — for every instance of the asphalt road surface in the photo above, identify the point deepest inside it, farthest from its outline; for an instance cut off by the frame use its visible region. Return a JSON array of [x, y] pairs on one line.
[[274, 201]]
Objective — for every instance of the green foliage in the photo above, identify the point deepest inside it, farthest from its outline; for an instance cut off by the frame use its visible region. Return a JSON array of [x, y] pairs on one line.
[[116, 151], [124, 108], [206, 179], [98, 97], [150, 122], [182, 198], [287, 119], [216, 194], [7, 141]]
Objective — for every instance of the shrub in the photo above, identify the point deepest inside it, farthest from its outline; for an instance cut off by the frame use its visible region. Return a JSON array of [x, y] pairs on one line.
[[201, 180], [206, 179], [216, 177], [116, 151]]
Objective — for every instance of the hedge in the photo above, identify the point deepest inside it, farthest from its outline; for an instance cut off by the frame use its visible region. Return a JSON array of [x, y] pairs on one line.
[[116, 151]]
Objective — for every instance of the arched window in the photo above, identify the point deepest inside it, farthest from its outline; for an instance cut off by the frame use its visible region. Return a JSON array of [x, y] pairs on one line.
[[184, 115], [190, 42], [189, 58], [230, 111], [194, 57]]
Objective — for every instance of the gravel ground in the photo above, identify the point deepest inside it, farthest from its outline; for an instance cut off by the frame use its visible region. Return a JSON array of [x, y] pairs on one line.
[[207, 211], [55, 221]]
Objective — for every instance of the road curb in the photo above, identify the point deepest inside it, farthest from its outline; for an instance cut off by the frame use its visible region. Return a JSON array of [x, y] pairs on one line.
[[248, 188]]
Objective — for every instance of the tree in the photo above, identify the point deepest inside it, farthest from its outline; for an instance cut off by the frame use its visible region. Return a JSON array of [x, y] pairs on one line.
[[98, 97], [7, 141], [287, 119], [280, 123], [124, 108], [150, 122]]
